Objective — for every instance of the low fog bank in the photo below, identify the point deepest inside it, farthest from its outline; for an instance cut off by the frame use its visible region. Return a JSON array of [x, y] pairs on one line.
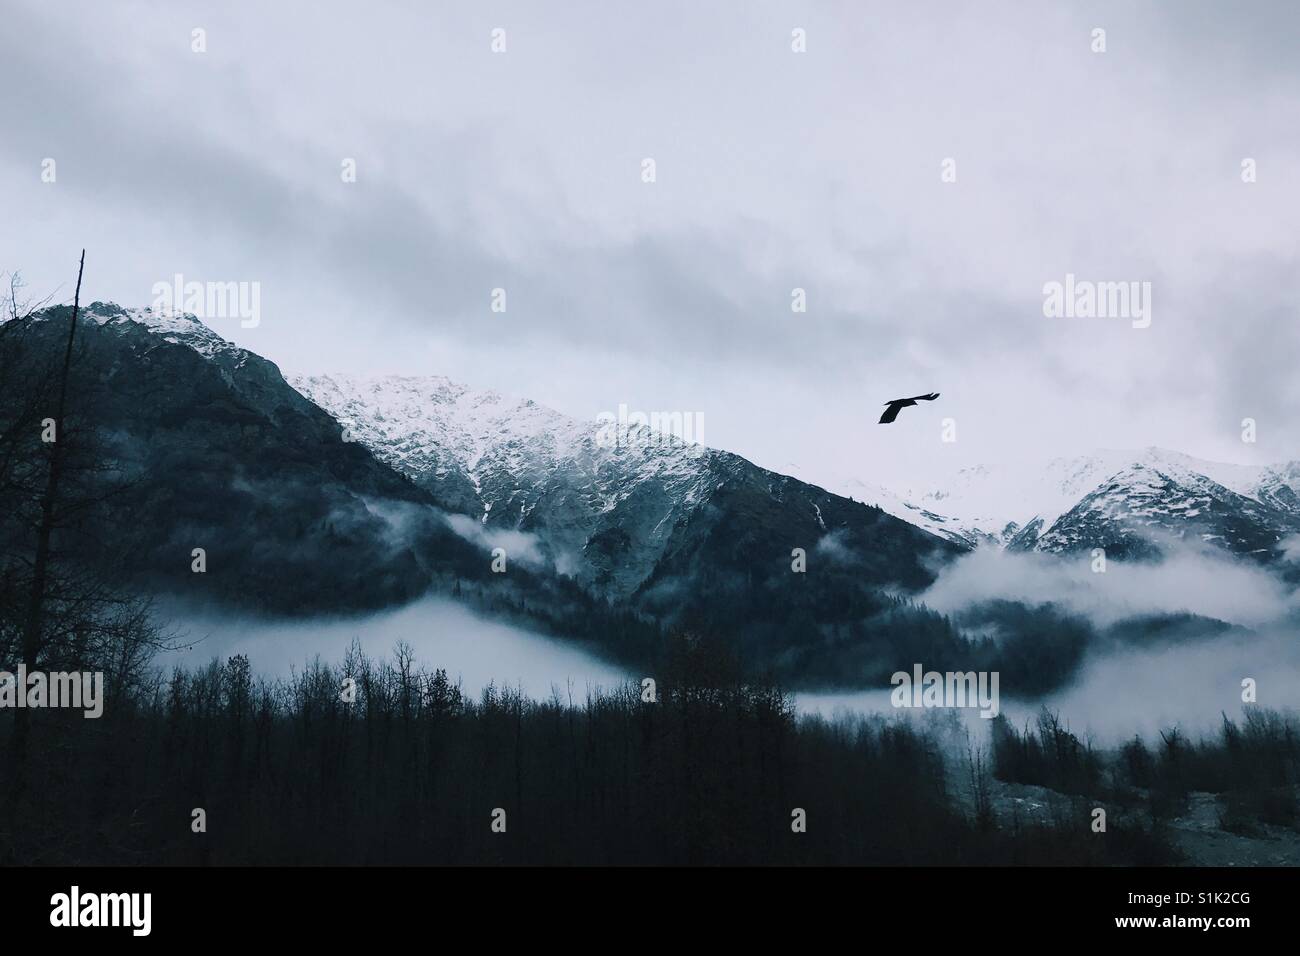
[[1203, 583], [1191, 686], [1133, 691], [444, 634], [1122, 689], [1118, 689]]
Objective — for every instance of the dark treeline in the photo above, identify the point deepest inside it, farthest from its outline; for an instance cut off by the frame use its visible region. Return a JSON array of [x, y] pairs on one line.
[[1252, 764], [848, 636], [412, 770]]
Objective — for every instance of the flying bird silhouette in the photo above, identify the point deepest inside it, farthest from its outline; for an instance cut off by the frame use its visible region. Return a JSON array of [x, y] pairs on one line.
[[897, 405]]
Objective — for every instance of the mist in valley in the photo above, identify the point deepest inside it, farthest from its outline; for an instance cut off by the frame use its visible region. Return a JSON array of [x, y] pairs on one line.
[[472, 649], [1118, 690], [1148, 682], [1120, 693]]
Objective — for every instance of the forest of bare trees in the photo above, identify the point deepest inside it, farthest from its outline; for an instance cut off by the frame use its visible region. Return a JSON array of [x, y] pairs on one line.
[[57, 612], [410, 770]]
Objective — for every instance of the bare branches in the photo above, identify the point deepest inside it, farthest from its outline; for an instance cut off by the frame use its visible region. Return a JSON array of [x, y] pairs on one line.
[[14, 307]]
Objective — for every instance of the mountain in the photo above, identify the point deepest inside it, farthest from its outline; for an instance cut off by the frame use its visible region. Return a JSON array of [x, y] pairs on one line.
[[803, 584], [627, 511], [1149, 505], [964, 531], [1130, 503], [204, 445], [602, 513], [397, 488]]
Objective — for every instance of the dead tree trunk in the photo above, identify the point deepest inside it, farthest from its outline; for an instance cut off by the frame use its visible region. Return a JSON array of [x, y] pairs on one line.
[[34, 625]]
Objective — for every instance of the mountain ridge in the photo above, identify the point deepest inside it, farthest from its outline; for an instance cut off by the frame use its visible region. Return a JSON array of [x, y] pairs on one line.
[[613, 543], [518, 464], [1080, 502], [480, 450]]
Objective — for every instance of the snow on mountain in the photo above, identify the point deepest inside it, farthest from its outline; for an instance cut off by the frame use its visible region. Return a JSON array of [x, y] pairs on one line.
[[513, 463], [618, 507], [1120, 498], [892, 503], [177, 328], [220, 453], [1138, 509], [609, 503]]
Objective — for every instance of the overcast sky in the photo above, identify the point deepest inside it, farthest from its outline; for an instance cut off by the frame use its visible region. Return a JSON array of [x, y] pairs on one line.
[[775, 170]]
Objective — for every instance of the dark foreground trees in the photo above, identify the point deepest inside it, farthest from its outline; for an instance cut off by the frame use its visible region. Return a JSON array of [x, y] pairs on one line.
[[410, 771], [1252, 767], [58, 612]]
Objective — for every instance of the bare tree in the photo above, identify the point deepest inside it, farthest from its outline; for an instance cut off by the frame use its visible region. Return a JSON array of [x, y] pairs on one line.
[[32, 627], [62, 606], [40, 568]]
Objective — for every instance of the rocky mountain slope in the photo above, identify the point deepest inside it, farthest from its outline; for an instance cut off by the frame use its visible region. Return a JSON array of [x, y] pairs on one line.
[[617, 508], [1131, 503], [204, 445], [1150, 506], [399, 488]]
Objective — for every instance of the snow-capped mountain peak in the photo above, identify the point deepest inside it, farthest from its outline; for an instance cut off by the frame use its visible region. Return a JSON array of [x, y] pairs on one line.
[[176, 328], [1110, 497], [515, 464]]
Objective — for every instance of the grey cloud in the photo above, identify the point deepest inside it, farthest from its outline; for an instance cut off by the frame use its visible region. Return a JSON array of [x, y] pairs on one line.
[[1187, 581], [819, 171]]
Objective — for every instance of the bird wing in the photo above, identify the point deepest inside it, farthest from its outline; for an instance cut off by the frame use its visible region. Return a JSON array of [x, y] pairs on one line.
[[891, 412], [924, 398]]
